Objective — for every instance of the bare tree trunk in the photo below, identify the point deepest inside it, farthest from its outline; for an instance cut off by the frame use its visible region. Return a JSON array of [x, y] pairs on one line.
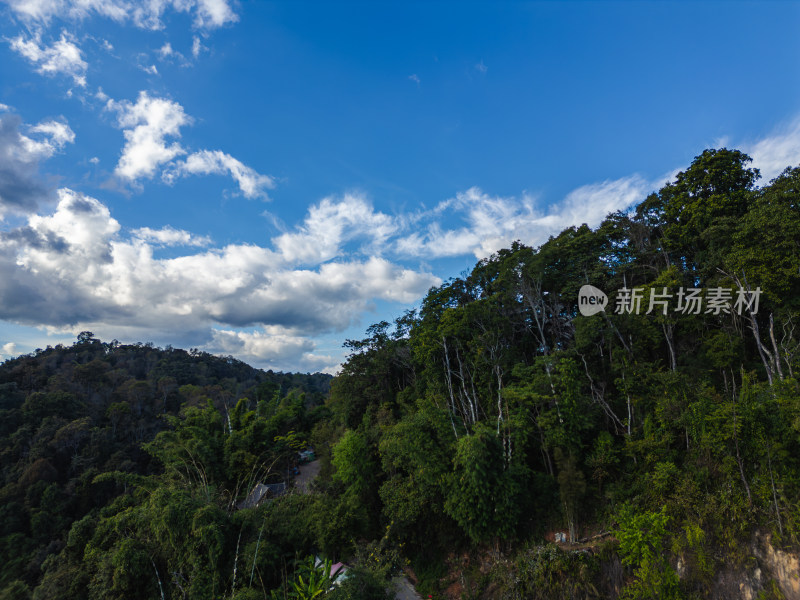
[[766, 357], [630, 408], [775, 347], [788, 332], [452, 405], [471, 400], [160, 587], [255, 555], [236, 564], [619, 335], [597, 396], [668, 332]]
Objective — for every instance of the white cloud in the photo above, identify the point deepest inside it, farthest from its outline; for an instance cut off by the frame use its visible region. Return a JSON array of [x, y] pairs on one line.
[[58, 132], [214, 13], [82, 222], [107, 281], [166, 50], [494, 222], [251, 183], [43, 11], [169, 236], [208, 14], [329, 225], [197, 46], [776, 152], [274, 346], [62, 57], [9, 349], [590, 204], [169, 54], [21, 189], [146, 125]]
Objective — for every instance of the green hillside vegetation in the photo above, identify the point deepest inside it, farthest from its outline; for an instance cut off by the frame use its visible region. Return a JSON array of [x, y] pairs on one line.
[[122, 465], [455, 440], [497, 413]]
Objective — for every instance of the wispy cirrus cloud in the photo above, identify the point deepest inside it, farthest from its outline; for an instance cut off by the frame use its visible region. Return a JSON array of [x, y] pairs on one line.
[[169, 236], [215, 162], [781, 149], [494, 222], [208, 14]]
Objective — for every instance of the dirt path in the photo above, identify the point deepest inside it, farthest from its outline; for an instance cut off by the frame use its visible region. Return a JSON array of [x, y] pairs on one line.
[[308, 472], [403, 589]]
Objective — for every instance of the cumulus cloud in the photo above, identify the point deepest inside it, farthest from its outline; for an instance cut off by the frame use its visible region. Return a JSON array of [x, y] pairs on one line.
[[208, 14], [275, 346], [62, 57], [333, 222], [76, 268], [251, 183], [494, 222], [146, 125], [776, 152], [21, 187]]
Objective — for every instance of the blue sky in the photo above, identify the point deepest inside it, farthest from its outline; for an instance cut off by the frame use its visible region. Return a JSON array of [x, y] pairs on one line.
[[266, 179]]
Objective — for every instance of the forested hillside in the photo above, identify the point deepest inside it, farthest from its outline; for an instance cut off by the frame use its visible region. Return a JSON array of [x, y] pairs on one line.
[[102, 481], [660, 435], [498, 413]]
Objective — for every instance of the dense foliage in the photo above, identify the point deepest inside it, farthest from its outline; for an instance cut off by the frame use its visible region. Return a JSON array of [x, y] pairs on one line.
[[498, 412], [122, 465]]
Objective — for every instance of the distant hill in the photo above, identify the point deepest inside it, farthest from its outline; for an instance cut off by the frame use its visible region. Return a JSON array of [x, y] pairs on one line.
[[69, 414]]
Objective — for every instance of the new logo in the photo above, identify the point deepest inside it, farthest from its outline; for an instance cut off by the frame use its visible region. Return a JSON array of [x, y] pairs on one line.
[[591, 300]]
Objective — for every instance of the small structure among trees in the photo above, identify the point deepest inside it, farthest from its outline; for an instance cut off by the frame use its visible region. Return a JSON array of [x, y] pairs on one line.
[[262, 492]]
